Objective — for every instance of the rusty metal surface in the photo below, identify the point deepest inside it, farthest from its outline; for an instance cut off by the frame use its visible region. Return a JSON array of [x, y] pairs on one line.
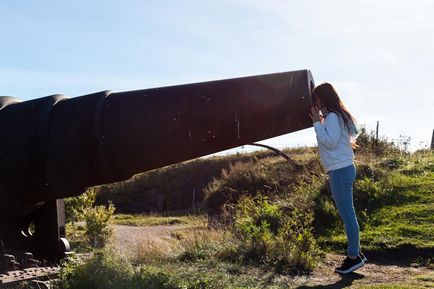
[[17, 276]]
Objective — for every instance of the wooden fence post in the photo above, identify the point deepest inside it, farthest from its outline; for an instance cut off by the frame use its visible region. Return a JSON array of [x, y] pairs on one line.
[[432, 140], [376, 134]]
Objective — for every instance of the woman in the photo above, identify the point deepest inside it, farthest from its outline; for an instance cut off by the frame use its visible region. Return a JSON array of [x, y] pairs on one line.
[[336, 132]]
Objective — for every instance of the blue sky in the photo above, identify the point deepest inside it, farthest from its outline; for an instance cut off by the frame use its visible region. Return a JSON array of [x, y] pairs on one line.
[[378, 54]]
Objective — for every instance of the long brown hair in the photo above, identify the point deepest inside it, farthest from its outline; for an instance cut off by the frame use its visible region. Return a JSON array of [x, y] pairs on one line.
[[330, 99]]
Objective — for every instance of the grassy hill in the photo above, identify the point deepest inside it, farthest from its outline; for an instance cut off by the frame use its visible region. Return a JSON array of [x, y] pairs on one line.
[[393, 191], [269, 215], [170, 188]]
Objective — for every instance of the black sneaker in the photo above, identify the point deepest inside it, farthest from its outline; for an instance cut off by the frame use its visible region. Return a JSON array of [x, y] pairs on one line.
[[349, 265], [364, 259]]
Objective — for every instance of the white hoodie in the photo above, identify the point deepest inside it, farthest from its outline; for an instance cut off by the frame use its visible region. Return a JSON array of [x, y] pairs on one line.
[[334, 144]]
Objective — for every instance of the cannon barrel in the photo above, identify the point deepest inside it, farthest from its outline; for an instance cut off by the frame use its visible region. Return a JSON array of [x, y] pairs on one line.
[[55, 147]]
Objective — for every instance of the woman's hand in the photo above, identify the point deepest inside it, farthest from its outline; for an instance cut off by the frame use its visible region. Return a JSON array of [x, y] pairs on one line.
[[315, 114]]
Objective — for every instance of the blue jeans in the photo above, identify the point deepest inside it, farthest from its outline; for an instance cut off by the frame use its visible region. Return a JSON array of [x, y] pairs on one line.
[[341, 184]]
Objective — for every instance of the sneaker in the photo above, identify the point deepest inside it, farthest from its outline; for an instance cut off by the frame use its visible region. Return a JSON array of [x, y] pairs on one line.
[[364, 259], [349, 265]]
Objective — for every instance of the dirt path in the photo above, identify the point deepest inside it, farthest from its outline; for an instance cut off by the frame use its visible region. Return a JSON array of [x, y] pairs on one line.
[[128, 236], [371, 273], [374, 272]]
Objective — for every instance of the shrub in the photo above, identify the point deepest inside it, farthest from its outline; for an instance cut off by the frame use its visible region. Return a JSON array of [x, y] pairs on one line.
[[278, 234], [369, 144], [75, 207], [98, 230], [367, 192]]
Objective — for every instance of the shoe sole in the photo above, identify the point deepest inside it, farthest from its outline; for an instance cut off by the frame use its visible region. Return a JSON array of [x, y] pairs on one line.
[[351, 269]]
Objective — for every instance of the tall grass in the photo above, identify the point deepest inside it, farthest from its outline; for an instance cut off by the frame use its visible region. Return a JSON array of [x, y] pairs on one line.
[[273, 177], [109, 270], [277, 234]]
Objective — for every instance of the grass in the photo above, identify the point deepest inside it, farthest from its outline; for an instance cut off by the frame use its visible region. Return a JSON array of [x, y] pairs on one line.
[[404, 215], [379, 286], [169, 188], [109, 270], [192, 263], [202, 273], [158, 219], [427, 277], [394, 199]]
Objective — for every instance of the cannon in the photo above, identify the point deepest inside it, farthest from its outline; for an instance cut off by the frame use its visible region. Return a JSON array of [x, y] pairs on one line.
[[55, 147]]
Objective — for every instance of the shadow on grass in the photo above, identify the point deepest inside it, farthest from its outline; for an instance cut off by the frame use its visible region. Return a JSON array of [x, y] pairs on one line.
[[402, 256], [346, 280]]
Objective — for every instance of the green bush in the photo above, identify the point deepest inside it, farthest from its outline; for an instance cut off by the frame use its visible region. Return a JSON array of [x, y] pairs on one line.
[[367, 192], [98, 229], [75, 207], [277, 234]]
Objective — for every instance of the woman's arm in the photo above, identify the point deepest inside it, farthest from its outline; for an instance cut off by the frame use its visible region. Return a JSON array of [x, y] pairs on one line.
[[329, 132]]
